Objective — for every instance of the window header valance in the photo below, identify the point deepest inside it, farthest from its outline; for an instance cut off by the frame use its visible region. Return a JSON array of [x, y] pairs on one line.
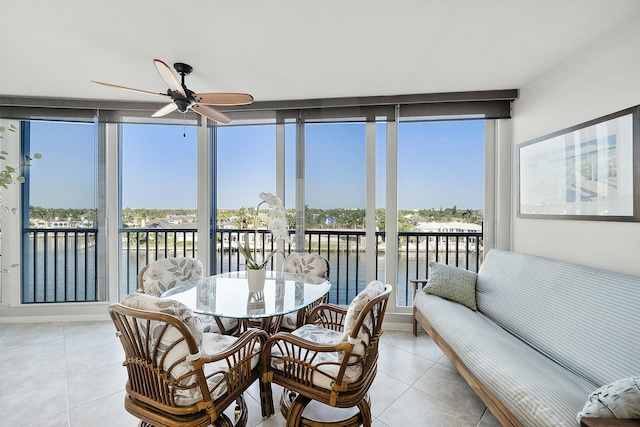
[[481, 104]]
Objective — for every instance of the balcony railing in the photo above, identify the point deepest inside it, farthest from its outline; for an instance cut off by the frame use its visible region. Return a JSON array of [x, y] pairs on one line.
[[69, 258], [60, 265]]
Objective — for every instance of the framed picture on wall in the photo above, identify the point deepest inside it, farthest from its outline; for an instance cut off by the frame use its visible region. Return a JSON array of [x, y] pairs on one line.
[[587, 172]]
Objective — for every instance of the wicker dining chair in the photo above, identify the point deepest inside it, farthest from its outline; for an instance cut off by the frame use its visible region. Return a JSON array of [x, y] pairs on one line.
[[309, 264], [332, 359], [161, 275], [178, 375]]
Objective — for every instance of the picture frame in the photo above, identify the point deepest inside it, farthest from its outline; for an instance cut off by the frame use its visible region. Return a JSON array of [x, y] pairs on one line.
[[590, 171]]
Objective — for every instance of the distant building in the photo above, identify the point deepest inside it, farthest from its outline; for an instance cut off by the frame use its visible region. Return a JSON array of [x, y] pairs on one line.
[[447, 227], [64, 223]]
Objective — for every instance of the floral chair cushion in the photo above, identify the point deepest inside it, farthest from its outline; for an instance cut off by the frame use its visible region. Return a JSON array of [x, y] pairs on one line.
[[168, 306], [209, 324], [305, 263], [289, 321], [173, 354], [165, 274], [373, 289], [309, 265]]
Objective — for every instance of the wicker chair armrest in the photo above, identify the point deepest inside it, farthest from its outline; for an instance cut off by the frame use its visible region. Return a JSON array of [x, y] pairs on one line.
[[330, 316]]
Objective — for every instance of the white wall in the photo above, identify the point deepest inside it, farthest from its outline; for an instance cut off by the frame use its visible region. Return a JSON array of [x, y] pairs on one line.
[[602, 79]]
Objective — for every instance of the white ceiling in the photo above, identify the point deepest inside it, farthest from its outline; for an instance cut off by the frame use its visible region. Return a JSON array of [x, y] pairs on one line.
[[294, 49]]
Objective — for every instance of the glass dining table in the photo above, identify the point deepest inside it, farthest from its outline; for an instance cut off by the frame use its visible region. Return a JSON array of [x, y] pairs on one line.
[[228, 295]]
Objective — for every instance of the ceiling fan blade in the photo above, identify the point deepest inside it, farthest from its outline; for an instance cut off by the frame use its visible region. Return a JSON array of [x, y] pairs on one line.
[[131, 89], [211, 113], [169, 108], [223, 98], [169, 77]]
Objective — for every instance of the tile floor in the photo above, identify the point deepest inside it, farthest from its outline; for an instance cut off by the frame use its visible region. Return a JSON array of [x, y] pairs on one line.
[[70, 374]]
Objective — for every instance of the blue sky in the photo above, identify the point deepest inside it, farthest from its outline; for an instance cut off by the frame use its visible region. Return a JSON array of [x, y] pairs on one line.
[[66, 175], [440, 165]]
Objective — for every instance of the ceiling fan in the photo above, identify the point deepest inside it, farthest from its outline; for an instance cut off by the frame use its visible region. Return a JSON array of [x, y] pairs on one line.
[[184, 99]]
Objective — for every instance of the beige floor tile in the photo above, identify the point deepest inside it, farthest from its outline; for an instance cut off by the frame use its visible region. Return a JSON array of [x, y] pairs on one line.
[[61, 419], [30, 334], [106, 412], [90, 358], [488, 420], [96, 384], [415, 407], [448, 386], [274, 421], [85, 335], [422, 345], [76, 376], [384, 391], [33, 404], [29, 367], [403, 365]]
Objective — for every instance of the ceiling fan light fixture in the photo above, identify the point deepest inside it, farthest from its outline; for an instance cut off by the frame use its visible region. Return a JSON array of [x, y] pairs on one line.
[[185, 99], [184, 104]]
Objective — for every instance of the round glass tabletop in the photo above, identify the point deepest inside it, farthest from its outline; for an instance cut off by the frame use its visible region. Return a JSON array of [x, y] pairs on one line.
[[228, 295]]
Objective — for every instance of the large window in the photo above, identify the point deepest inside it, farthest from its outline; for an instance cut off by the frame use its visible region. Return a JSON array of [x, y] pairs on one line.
[[335, 199], [61, 213], [245, 167], [158, 196], [380, 186], [440, 191]]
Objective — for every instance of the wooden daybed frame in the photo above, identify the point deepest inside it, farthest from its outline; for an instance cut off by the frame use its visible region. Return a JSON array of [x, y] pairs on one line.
[[497, 408]]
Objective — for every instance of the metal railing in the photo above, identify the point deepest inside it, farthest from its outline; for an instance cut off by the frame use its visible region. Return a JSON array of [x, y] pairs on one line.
[[141, 246], [64, 267], [344, 249], [60, 265], [417, 250]]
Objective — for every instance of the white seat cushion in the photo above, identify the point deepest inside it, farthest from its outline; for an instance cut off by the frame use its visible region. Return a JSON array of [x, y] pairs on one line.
[[215, 343]]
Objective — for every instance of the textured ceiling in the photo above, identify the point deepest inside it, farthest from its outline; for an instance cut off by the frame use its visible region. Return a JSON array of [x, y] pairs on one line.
[[294, 49]]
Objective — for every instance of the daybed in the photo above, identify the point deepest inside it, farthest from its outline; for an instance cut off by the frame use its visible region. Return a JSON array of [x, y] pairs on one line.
[[537, 338]]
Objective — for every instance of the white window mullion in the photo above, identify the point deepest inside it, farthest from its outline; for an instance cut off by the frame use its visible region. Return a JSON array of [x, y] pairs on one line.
[[370, 211], [113, 239], [280, 179], [205, 195], [300, 183], [391, 222]]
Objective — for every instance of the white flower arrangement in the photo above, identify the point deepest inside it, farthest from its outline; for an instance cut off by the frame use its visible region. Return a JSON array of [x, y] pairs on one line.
[[278, 226]]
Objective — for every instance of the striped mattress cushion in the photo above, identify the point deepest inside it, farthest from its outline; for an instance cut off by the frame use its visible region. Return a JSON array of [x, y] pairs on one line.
[[536, 390], [583, 318]]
